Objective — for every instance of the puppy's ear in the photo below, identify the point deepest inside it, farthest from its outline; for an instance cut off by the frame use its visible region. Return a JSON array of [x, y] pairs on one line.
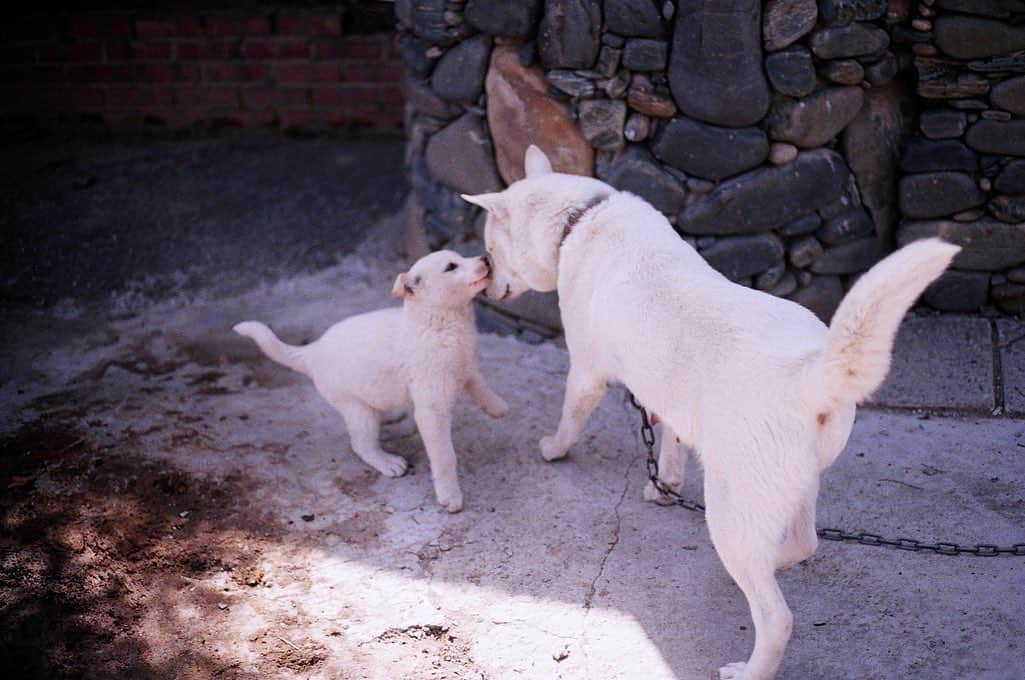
[[403, 286], [536, 163], [493, 203]]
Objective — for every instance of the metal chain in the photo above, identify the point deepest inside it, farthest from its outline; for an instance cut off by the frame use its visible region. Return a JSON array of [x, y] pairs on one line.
[[860, 537]]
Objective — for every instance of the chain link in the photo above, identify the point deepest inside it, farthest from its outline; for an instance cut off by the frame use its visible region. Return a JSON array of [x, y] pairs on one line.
[[826, 534]]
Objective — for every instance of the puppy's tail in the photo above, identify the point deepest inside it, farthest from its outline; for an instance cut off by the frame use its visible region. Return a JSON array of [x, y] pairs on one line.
[[861, 334], [283, 353]]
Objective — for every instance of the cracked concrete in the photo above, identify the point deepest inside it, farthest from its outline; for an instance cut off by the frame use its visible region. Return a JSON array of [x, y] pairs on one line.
[[251, 542]]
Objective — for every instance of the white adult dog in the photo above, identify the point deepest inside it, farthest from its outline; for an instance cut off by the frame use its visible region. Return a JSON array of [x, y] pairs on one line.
[[757, 386], [424, 353]]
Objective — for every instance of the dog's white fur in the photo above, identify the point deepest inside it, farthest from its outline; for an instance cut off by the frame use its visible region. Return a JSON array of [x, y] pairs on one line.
[[759, 389], [423, 353]]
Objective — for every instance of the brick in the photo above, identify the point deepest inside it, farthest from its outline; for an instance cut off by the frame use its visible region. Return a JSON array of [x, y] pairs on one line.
[[322, 72], [117, 50], [237, 25], [149, 28], [326, 48], [151, 51], [98, 73], [130, 97], [294, 98], [326, 96], [323, 24], [298, 119], [167, 73], [359, 94], [390, 95], [259, 97], [361, 48], [191, 50], [293, 73], [235, 72], [86, 99], [83, 52], [290, 24], [223, 98], [189, 27], [274, 48]]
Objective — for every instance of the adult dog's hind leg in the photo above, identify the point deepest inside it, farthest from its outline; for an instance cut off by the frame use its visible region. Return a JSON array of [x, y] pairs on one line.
[[747, 538], [672, 459], [800, 540], [583, 392]]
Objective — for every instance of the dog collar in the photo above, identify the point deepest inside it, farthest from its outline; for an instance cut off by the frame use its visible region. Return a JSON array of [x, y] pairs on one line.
[[577, 214]]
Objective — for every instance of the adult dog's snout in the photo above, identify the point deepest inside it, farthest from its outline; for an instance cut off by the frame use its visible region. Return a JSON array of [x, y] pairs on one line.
[[487, 262]]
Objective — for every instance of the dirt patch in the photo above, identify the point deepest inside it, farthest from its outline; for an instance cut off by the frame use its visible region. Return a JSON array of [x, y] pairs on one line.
[[95, 539], [442, 653]]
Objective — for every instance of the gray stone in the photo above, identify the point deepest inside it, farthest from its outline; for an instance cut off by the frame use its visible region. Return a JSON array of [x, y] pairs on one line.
[[427, 18], [1011, 179], [936, 194], [921, 155], [822, 295], [419, 95], [843, 72], [849, 258], [612, 40], [637, 172], [514, 19], [601, 121], [1008, 208], [975, 38], [645, 54], [615, 87], [637, 127], [415, 61], [571, 83], [715, 66], [739, 257], [854, 40], [994, 114], [942, 123], [791, 72], [871, 143], [461, 157], [708, 151], [1009, 297], [608, 61], [1010, 95], [643, 96], [781, 153], [958, 291], [945, 79], [802, 225], [986, 245], [989, 136], [700, 186], [814, 120], [459, 75], [883, 70], [787, 21], [804, 251], [639, 18], [1001, 9], [769, 197], [850, 225], [1016, 275], [842, 12], [568, 36], [771, 277], [786, 286]]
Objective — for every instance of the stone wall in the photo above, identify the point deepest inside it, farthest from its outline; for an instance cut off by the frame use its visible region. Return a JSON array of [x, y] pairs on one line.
[[772, 135]]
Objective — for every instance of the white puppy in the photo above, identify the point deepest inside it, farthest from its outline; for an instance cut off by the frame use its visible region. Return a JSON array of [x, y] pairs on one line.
[[423, 353], [755, 385]]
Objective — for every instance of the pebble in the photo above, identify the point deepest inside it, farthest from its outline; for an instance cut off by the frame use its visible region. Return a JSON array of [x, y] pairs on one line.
[[781, 153]]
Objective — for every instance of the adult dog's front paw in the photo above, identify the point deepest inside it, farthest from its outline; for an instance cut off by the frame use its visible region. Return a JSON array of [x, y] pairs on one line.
[[734, 671], [390, 465], [498, 408], [450, 501], [550, 450]]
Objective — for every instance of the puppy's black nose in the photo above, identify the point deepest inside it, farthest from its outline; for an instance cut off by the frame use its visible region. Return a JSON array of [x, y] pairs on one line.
[[487, 261]]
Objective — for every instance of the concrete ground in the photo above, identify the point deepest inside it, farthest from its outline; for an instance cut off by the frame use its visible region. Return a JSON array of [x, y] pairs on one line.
[[175, 505]]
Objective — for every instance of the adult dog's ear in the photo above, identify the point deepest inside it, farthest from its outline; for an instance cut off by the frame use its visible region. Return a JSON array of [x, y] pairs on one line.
[[403, 287], [493, 203], [535, 162]]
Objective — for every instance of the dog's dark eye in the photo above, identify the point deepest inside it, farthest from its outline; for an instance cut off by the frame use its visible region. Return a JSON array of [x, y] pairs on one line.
[[451, 266]]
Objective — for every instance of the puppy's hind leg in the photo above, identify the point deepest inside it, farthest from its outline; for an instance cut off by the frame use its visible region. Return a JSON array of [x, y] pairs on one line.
[[485, 397], [747, 537], [364, 424], [583, 392], [672, 458]]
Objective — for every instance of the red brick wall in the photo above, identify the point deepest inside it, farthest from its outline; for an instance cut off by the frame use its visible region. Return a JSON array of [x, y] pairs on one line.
[[243, 68]]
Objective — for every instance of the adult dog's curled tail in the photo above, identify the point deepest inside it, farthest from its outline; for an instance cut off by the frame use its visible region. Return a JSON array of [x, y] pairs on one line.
[[283, 353], [861, 334]]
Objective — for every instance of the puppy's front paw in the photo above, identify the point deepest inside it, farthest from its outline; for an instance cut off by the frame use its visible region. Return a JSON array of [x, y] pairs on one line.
[[497, 408], [451, 501], [734, 671], [550, 450], [390, 465]]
